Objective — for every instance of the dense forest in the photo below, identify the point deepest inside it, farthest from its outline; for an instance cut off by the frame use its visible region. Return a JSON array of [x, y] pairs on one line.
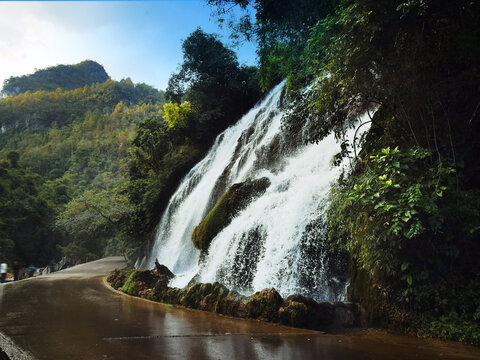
[[63, 155], [87, 168]]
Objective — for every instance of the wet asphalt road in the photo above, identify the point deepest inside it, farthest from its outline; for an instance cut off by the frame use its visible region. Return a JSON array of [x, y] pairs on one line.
[[72, 314]]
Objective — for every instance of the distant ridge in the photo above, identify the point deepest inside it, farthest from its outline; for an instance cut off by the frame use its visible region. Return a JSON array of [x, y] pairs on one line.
[[67, 77]]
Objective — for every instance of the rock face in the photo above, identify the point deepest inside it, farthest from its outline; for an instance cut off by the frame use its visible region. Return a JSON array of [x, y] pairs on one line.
[[265, 305], [237, 197]]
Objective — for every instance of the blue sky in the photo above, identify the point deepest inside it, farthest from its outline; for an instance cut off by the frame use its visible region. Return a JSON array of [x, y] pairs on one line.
[[140, 40]]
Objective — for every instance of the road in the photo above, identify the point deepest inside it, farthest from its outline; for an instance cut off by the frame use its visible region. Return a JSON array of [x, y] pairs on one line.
[[72, 315]]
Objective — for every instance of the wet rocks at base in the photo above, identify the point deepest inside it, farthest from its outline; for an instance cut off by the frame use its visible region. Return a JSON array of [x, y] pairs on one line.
[[265, 305]]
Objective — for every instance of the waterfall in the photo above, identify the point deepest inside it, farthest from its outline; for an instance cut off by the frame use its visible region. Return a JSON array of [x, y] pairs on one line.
[[279, 239]]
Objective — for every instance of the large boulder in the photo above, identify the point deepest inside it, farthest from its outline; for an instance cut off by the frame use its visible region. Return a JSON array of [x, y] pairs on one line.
[[298, 311], [293, 314], [264, 305], [163, 270], [173, 296], [237, 197], [301, 311]]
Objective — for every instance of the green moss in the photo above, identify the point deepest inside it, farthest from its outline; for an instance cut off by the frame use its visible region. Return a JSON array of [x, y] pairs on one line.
[[233, 304], [139, 280], [131, 286], [173, 295], [235, 199], [212, 300], [117, 278]]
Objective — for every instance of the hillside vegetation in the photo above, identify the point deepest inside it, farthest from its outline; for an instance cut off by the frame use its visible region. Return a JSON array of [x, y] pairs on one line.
[[67, 77], [65, 163]]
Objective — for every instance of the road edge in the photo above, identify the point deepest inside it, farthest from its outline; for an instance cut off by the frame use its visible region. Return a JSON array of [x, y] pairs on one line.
[[12, 350]]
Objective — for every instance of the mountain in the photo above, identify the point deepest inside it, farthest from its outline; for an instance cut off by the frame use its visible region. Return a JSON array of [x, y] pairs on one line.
[[67, 77]]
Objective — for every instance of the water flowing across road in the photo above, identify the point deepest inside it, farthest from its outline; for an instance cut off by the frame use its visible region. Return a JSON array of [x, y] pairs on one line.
[[73, 315]]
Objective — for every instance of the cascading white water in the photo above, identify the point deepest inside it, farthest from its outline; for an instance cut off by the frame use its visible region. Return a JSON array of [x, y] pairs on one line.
[[279, 239]]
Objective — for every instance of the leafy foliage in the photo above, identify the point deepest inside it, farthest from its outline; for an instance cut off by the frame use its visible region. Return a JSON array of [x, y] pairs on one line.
[[176, 115], [404, 220], [397, 212], [26, 233]]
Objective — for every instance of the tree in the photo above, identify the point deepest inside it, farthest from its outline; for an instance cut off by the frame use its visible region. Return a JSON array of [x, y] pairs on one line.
[[176, 115], [281, 29], [92, 220], [26, 220], [211, 80], [13, 157]]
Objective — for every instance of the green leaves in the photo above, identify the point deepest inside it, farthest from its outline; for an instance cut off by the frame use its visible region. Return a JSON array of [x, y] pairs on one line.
[[386, 212], [409, 279]]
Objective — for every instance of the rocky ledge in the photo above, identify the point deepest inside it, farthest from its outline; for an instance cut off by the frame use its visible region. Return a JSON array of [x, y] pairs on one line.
[[265, 305]]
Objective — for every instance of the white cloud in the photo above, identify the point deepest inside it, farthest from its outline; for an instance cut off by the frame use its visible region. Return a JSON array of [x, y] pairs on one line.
[[141, 40]]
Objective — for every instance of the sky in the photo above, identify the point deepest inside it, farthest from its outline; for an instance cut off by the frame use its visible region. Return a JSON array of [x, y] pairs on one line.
[[136, 39]]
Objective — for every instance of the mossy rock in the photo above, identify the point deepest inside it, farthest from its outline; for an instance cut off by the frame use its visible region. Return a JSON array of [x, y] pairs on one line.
[[237, 197], [162, 270], [146, 293], [294, 314], [233, 304], [113, 275], [160, 288], [378, 308], [119, 281], [132, 287], [210, 302], [139, 280], [195, 294], [117, 278], [173, 296], [264, 305]]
